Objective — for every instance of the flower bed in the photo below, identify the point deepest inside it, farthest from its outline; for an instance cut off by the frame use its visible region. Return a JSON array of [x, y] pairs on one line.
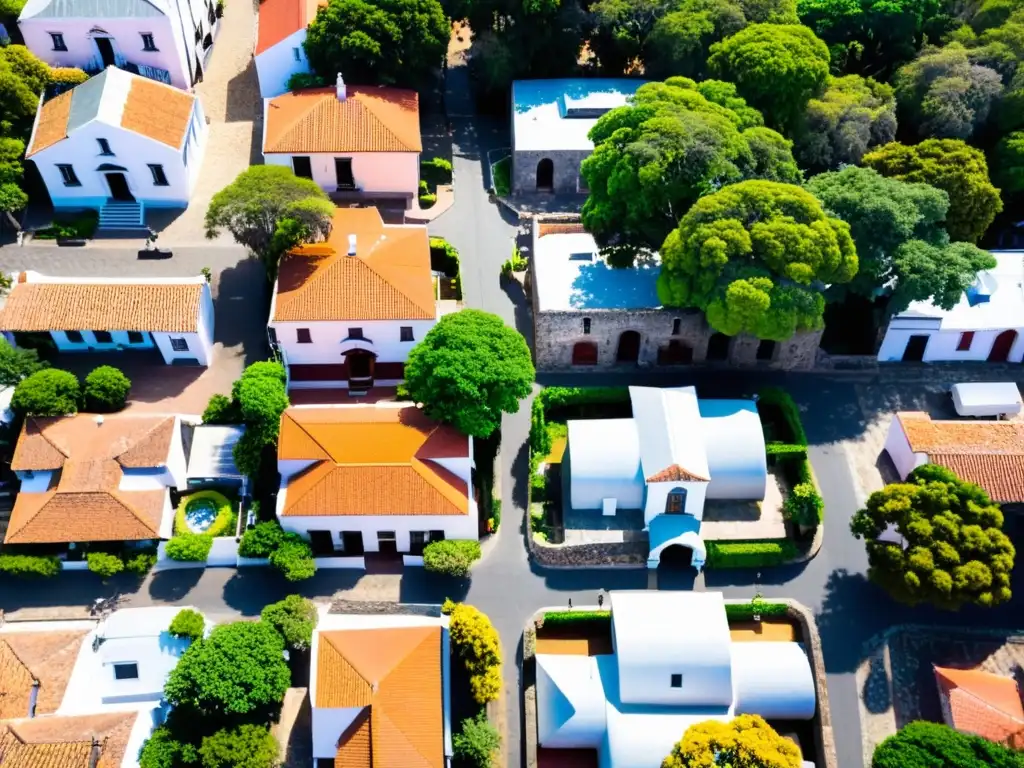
[[217, 505]]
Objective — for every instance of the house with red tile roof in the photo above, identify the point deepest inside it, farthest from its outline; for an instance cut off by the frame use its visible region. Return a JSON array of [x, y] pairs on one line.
[[119, 144], [989, 454], [280, 36], [982, 703], [87, 314], [346, 312], [374, 478], [357, 142], [380, 691]]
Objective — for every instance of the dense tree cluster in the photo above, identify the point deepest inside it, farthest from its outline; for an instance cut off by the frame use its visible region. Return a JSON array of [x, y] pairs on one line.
[[932, 745]]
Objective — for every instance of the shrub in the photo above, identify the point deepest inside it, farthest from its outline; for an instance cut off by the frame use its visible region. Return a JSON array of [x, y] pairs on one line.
[[437, 170], [427, 200], [539, 486], [67, 76], [501, 177], [141, 563], [104, 565], [540, 438], [476, 742], [189, 547], [804, 505], [444, 258], [294, 618], [163, 750], [188, 623], [575, 618], [30, 566], [247, 746], [294, 558], [106, 389], [261, 540], [933, 745], [782, 400], [559, 397], [222, 410], [746, 611], [785, 450], [475, 640], [452, 557], [223, 523], [81, 226], [750, 554], [299, 81], [50, 392]]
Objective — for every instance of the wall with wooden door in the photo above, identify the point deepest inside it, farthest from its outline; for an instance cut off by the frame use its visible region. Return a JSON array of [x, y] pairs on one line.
[[950, 345]]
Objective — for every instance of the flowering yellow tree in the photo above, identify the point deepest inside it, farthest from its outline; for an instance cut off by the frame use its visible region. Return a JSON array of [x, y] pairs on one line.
[[745, 742]]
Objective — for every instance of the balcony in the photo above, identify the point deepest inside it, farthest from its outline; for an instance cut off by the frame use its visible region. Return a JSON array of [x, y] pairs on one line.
[[95, 66]]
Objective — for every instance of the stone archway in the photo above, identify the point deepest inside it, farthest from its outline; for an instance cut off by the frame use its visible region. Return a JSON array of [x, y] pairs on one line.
[[689, 539]]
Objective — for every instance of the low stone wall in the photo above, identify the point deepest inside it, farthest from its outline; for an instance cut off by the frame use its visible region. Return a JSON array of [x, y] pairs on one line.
[[382, 607], [826, 754], [528, 674], [623, 554]]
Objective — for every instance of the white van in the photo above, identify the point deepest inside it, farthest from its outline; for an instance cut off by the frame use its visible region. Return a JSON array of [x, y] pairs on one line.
[[997, 399]]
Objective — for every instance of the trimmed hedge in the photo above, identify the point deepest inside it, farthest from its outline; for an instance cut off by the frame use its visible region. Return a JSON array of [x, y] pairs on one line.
[[750, 554], [222, 523], [782, 400], [30, 566], [104, 565], [804, 506], [452, 557], [444, 258], [550, 398], [576, 618], [746, 611], [189, 547], [785, 450]]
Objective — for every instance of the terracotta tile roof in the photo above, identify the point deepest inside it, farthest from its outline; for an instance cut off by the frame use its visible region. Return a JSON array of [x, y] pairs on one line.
[[83, 502], [53, 123], [395, 676], [158, 111], [25, 657], [987, 453], [370, 119], [102, 307], [280, 18], [66, 742], [981, 703], [675, 473], [371, 460], [389, 278]]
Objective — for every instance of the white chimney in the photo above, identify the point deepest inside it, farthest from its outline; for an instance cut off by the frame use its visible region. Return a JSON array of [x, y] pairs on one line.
[[99, 421], [351, 245], [339, 86]]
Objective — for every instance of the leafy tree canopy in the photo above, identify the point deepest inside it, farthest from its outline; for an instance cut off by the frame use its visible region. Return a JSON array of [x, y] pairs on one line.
[[17, 363], [294, 618], [956, 552], [902, 248], [851, 116], [468, 370], [746, 741], [756, 257], [676, 141], [49, 392], [955, 168], [251, 206], [247, 746], [778, 68], [933, 745], [388, 42], [23, 77], [1008, 163]]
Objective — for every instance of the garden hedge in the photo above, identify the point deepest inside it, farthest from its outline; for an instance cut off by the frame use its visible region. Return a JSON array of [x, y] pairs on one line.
[[750, 554], [30, 566], [104, 564], [746, 611], [261, 540], [551, 398], [782, 400], [189, 547], [576, 618], [222, 523], [452, 557]]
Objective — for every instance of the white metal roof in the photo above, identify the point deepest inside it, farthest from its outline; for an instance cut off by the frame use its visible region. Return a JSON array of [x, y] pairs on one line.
[[572, 700], [734, 444], [772, 679], [988, 393], [212, 455], [670, 429], [605, 463]]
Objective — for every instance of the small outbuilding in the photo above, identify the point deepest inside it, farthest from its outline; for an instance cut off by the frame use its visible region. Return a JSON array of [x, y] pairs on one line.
[[211, 459]]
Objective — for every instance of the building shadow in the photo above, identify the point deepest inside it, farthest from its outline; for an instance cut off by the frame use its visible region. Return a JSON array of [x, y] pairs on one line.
[[243, 102]]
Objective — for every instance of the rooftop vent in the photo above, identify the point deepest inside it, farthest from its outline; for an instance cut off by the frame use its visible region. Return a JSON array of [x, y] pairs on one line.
[[582, 256], [981, 290], [351, 245]]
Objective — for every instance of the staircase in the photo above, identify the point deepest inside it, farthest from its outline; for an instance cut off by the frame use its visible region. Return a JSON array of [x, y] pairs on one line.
[[117, 214]]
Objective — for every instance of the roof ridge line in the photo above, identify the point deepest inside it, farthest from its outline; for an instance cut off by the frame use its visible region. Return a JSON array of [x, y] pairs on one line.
[[426, 760], [115, 494], [308, 471], [387, 128], [984, 702], [57, 448], [321, 446], [21, 661], [135, 444], [406, 296], [436, 478]]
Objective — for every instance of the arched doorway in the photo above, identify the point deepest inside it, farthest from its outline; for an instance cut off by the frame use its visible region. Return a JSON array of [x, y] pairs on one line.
[[584, 353], [695, 552], [629, 347], [676, 556], [1001, 347], [360, 363], [545, 175]]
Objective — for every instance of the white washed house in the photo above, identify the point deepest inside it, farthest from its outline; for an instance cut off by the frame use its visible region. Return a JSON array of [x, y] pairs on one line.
[[83, 314], [119, 144], [356, 142], [374, 478], [165, 40], [280, 36], [986, 324]]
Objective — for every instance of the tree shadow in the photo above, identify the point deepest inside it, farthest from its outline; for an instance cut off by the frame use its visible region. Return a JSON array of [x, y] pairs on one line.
[[174, 585], [876, 693]]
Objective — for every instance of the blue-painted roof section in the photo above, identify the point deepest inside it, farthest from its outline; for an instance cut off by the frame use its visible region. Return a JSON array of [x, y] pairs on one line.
[[664, 528]]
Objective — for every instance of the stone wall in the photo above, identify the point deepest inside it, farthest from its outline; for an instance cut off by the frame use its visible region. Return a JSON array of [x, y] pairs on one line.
[[826, 753], [566, 169], [627, 553]]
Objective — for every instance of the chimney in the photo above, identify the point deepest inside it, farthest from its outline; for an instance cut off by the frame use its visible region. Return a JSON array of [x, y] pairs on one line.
[[351, 245], [99, 421], [339, 87]]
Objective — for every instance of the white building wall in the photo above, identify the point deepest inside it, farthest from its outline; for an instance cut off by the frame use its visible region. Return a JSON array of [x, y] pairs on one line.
[[942, 344], [177, 464], [328, 725], [898, 448], [325, 347], [195, 146], [197, 348], [380, 172], [657, 495], [279, 62], [89, 342], [454, 526]]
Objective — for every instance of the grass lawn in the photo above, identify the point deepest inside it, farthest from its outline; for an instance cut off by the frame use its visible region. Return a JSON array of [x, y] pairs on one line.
[[501, 173], [559, 437]]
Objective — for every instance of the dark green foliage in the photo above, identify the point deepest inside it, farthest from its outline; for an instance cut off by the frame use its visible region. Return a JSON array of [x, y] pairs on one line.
[[956, 552], [804, 506], [22, 79], [189, 547], [104, 565], [294, 618], [246, 746], [222, 410], [188, 623], [750, 554], [540, 440], [78, 226], [539, 485], [781, 399], [469, 369], [476, 742], [933, 745], [163, 750], [261, 540], [139, 564], [106, 389], [757, 606], [452, 557], [294, 558], [50, 392], [553, 398], [576, 618], [1008, 163], [30, 566], [299, 81], [17, 363], [444, 258], [261, 397]]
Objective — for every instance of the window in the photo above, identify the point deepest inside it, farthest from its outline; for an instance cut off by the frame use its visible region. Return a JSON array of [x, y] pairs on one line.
[[406, 333], [103, 337], [58, 41], [159, 177], [966, 339], [417, 541], [383, 536], [104, 147], [675, 503], [677, 681], [148, 44], [272, 335], [179, 345], [302, 336], [135, 337], [301, 167], [297, 54], [128, 671], [586, 326], [67, 172], [75, 337], [355, 333], [676, 325], [436, 535]]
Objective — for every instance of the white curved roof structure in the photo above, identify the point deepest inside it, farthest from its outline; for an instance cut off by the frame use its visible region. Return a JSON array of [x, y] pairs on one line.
[[605, 463], [734, 442], [570, 702], [773, 680]]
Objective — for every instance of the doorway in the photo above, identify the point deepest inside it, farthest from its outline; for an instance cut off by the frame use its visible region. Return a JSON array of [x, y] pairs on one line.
[[119, 187], [629, 347], [584, 353], [106, 49], [360, 367], [343, 172], [387, 543], [352, 543], [321, 542], [545, 175], [718, 347], [916, 345], [1001, 347], [676, 556]]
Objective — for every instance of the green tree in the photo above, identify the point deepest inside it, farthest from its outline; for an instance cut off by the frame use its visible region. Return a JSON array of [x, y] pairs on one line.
[[468, 370], [261, 540], [676, 141], [755, 257], [933, 745], [954, 552], [163, 749], [1008, 163], [853, 115], [251, 206], [778, 68], [952, 166], [188, 623], [294, 558], [476, 742], [106, 389], [17, 363], [104, 565], [260, 397], [246, 746], [22, 79], [746, 741], [238, 674], [902, 249], [294, 618], [49, 392], [387, 42], [11, 172], [222, 410]]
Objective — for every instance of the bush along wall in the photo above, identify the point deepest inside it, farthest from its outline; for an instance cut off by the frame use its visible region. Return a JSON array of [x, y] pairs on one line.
[[445, 259], [750, 554], [787, 451]]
